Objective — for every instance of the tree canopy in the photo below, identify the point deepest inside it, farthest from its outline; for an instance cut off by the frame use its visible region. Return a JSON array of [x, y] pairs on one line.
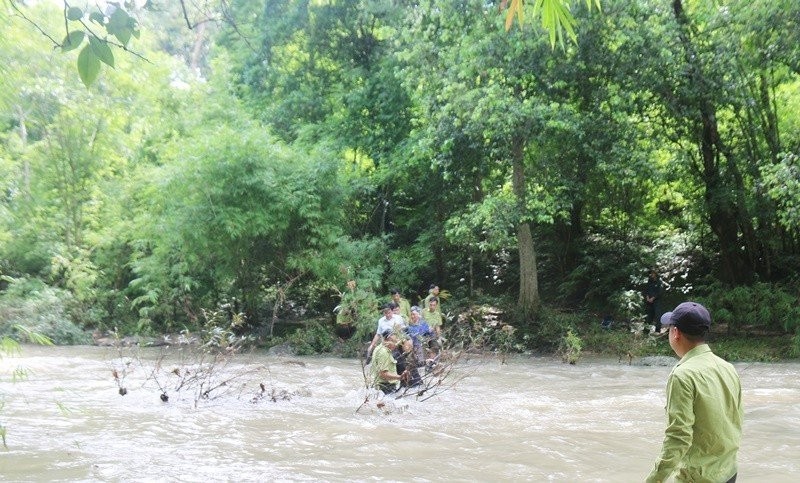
[[258, 156]]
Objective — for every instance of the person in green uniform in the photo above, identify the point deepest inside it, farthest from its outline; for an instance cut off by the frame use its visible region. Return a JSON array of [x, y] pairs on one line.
[[384, 366], [433, 316], [433, 292], [704, 405], [402, 304]]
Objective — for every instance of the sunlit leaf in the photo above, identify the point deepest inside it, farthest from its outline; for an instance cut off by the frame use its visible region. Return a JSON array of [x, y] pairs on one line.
[[74, 13], [102, 50], [88, 65], [555, 15], [97, 17], [72, 41], [123, 35], [121, 25]]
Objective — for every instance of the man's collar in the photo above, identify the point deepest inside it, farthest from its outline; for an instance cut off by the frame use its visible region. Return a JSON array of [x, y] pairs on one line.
[[694, 352]]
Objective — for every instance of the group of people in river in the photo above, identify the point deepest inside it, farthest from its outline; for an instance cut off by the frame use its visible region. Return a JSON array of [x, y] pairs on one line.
[[407, 339]]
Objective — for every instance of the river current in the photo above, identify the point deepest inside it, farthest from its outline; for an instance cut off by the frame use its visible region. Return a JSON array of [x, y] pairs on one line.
[[269, 418]]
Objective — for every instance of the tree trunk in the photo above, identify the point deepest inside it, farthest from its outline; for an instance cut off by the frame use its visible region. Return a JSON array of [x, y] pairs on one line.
[[26, 164], [528, 276], [724, 194]]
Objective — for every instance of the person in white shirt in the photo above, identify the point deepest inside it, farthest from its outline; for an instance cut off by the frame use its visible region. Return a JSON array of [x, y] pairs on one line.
[[389, 322]]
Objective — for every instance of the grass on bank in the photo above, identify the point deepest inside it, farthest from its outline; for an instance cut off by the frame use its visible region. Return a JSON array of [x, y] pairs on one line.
[[621, 342]]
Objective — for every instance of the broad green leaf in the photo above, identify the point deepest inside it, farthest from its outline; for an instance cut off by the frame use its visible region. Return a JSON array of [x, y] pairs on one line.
[[121, 25], [123, 35], [74, 13], [102, 50], [97, 17], [72, 41], [88, 65]]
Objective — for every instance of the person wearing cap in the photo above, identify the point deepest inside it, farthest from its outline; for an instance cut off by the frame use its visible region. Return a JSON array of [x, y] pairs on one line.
[[384, 365], [704, 405], [402, 304], [420, 332]]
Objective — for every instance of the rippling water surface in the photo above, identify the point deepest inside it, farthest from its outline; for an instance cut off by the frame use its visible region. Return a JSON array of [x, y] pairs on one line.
[[526, 420]]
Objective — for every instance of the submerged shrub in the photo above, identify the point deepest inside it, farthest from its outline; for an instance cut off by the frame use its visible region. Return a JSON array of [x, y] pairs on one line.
[[571, 347]]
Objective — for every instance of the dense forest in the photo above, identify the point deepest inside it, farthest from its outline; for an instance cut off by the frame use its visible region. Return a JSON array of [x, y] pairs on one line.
[[277, 166]]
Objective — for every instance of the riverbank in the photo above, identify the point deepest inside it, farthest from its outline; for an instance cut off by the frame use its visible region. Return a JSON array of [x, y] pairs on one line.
[[734, 348], [620, 344]]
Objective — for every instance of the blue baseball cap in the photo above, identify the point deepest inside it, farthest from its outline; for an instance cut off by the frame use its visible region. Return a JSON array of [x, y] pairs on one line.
[[689, 317]]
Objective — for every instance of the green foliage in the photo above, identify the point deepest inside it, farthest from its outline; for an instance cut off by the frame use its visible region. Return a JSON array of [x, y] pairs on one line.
[[627, 305], [117, 20], [238, 213], [762, 307], [547, 330], [420, 138], [407, 263], [487, 226], [314, 338], [29, 309], [219, 329], [783, 183], [754, 349], [555, 15], [621, 342], [357, 310], [570, 347]]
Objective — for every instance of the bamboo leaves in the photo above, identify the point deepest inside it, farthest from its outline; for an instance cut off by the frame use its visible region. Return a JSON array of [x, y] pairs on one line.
[[556, 17]]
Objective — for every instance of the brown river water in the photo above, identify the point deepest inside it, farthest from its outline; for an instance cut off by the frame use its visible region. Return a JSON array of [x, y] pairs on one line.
[[529, 419]]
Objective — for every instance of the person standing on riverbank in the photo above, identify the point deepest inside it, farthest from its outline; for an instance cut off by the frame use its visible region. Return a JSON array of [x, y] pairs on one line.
[[704, 405], [652, 295]]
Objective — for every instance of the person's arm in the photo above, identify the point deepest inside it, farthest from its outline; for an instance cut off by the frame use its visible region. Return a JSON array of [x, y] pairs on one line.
[[388, 376], [373, 344], [678, 435]]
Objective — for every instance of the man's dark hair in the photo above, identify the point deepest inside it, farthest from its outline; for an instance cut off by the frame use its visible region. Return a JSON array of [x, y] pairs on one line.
[[433, 286], [394, 291], [434, 299], [694, 338]]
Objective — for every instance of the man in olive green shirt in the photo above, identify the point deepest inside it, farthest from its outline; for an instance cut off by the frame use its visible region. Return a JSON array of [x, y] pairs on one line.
[[433, 316], [402, 304], [433, 293], [704, 405], [384, 366]]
